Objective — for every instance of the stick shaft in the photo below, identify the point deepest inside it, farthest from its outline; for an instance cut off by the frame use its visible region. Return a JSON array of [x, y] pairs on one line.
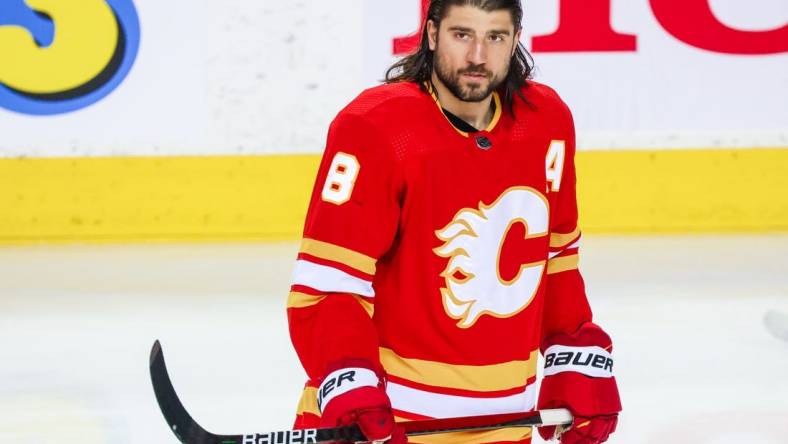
[[188, 431]]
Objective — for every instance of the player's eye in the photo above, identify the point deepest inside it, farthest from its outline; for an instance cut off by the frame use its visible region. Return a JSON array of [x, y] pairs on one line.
[[496, 37], [462, 35]]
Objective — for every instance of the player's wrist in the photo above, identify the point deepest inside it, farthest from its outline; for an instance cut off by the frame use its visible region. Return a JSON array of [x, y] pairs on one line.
[[593, 361], [353, 392], [345, 380]]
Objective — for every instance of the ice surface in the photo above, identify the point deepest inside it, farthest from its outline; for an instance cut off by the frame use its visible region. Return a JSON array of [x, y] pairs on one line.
[[693, 359]]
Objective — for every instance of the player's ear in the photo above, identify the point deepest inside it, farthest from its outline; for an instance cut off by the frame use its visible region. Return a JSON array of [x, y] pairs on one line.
[[432, 34]]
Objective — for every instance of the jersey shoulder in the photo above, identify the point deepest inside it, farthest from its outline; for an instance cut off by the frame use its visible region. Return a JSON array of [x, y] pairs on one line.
[[544, 103], [381, 121], [542, 96], [392, 115], [379, 103]]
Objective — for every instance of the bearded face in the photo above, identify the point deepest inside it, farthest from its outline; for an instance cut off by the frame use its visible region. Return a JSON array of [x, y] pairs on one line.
[[472, 50], [471, 83]]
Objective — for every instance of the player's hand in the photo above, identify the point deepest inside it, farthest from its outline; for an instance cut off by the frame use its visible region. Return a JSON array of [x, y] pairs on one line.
[[579, 377], [584, 430], [355, 394]]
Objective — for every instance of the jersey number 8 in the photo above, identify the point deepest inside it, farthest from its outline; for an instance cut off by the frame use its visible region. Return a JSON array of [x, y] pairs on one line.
[[341, 178]]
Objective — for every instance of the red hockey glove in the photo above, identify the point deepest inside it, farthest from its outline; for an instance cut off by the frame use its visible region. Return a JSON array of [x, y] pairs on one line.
[[355, 394], [579, 376]]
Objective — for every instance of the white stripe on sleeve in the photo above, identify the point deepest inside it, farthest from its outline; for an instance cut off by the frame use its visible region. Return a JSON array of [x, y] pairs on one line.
[[576, 244], [329, 279]]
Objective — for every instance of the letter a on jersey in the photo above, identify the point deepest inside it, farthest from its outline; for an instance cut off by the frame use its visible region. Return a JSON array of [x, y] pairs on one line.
[[473, 241]]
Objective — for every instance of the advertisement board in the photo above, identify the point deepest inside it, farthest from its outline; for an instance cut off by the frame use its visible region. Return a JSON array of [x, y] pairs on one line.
[[195, 119], [243, 77]]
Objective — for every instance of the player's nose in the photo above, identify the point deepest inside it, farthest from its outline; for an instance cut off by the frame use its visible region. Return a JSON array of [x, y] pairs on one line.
[[477, 53]]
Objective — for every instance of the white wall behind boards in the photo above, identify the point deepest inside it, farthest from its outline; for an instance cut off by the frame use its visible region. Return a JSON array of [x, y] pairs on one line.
[[252, 77]]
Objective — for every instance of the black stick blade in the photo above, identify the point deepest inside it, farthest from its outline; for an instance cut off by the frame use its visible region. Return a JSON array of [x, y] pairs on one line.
[[188, 431], [184, 427]]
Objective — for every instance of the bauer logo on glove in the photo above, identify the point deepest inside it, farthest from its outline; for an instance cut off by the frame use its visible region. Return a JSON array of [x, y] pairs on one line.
[[342, 381], [591, 361]]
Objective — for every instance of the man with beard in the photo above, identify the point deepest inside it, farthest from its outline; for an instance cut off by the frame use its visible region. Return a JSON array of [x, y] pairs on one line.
[[440, 249]]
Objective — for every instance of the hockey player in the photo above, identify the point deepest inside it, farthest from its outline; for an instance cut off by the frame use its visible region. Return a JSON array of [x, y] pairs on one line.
[[440, 251]]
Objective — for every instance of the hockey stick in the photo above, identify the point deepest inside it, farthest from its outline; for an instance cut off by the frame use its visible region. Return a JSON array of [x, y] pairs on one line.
[[189, 432]]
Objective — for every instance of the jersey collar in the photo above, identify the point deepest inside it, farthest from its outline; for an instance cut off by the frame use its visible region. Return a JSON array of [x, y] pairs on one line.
[[493, 122]]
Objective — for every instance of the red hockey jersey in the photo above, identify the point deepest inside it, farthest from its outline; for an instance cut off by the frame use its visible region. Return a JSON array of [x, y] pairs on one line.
[[442, 256]]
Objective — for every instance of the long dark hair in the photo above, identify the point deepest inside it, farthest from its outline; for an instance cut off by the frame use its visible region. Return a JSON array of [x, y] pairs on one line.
[[417, 67]]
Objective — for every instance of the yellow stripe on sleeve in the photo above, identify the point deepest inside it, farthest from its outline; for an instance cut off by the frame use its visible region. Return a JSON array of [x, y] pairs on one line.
[[560, 240], [485, 378], [563, 263], [368, 307], [308, 402], [301, 300], [331, 252]]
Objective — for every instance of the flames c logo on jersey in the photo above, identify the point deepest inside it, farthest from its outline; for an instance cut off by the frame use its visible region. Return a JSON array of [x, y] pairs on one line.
[[473, 241]]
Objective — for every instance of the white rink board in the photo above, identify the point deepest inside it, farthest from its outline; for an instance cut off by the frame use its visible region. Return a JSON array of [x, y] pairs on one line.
[[693, 360], [251, 77]]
